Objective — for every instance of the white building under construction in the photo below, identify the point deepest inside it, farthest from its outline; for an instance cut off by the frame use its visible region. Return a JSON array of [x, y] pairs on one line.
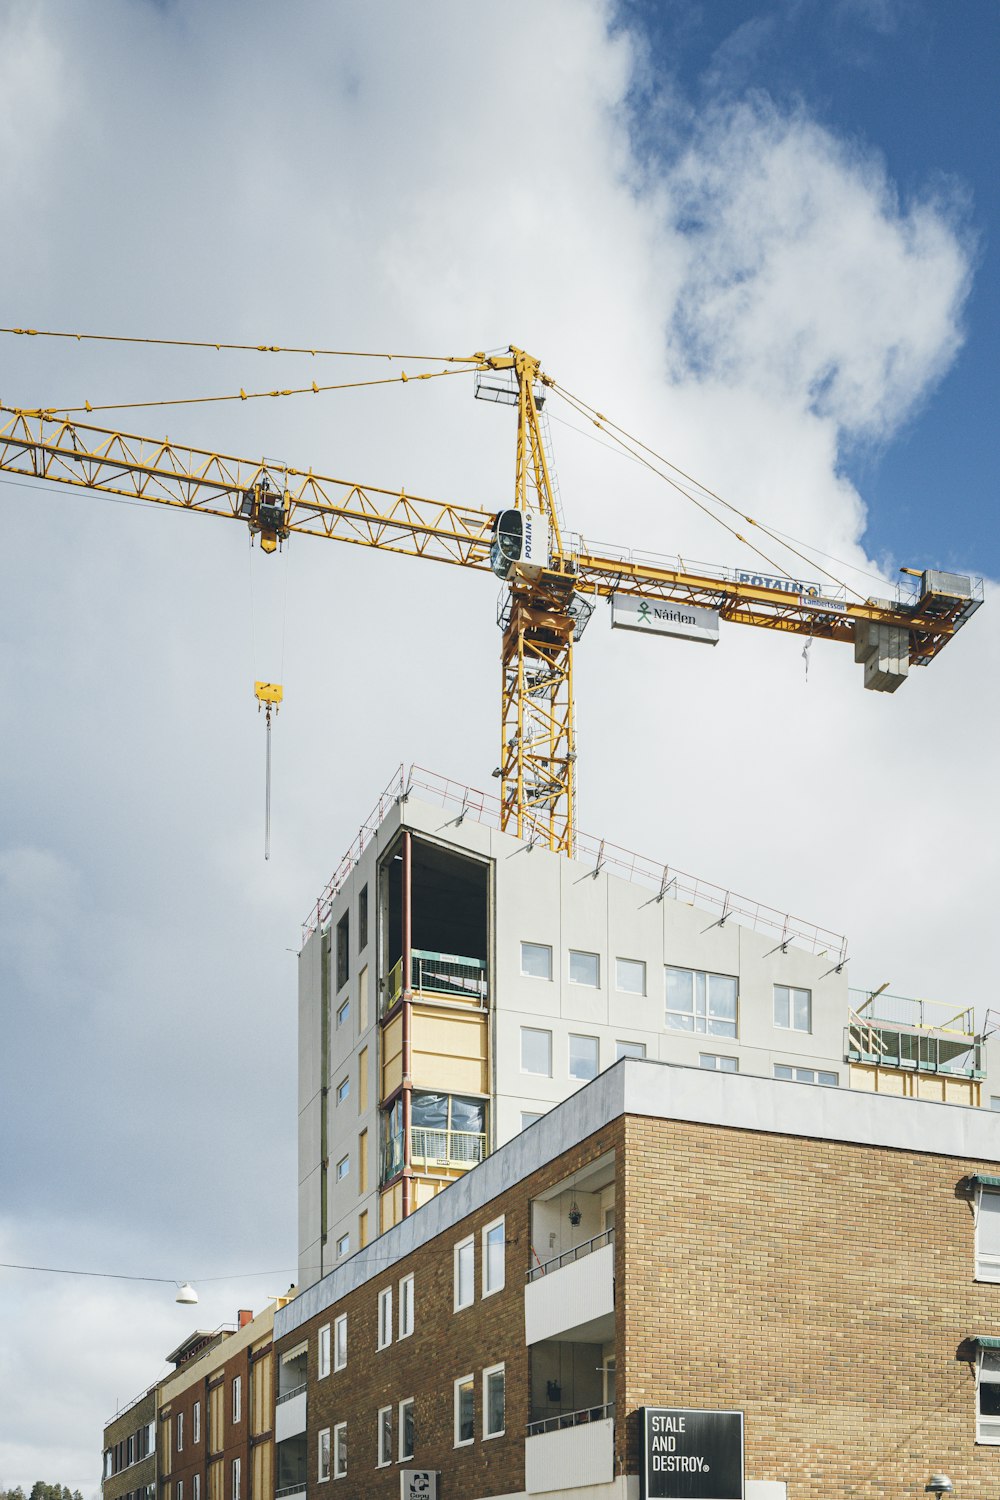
[[456, 982]]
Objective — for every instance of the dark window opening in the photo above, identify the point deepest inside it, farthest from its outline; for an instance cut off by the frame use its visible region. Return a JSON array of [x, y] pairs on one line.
[[343, 950]]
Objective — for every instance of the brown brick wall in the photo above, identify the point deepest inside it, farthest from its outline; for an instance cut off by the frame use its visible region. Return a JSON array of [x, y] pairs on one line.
[[823, 1288], [234, 1440], [444, 1346], [139, 1474]]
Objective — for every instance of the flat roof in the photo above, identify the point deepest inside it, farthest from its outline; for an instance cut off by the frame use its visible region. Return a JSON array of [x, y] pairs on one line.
[[666, 1091]]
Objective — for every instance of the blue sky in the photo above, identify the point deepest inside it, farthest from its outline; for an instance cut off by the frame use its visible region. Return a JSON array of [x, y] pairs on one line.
[[915, 82]]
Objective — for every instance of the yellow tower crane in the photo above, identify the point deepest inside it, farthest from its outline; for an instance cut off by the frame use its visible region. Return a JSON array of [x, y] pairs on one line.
[[552, 580]]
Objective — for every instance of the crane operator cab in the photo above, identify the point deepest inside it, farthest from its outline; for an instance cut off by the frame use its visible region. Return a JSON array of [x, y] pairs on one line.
[[520, 541], [265, 508]]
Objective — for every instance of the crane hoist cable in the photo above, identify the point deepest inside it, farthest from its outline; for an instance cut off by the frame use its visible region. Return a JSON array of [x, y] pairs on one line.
[[625, 439], [50, 413], [269, 695], [219, 345]]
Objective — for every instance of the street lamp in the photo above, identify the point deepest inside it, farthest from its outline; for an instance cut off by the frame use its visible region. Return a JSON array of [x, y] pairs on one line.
[[938, 1484]]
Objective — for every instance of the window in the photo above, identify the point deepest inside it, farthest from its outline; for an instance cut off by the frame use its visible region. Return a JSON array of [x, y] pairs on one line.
[[343, 950], [465, 1413], [340, 1342], [385, 1318], [718, 1064], [700, 1002], [988, 1396], [493, 1402], [585, 968], [995, 1101], [792, 1008], [323, 1351], [629, 1049], [195, 1487], [406, 1306], [987, 1212], [362, 1080], [343, 1167], [528, 1117], [493, 1258], [237, 1397], [236, 1479], [465, 1273], [343, 1245], [343, 1089], [536, 1051], [196, 1423], [630, 976], [584, 1060], [536, 960], [180, 1436], [323, 1464], [384, 1436], [343, 1013], [180, 1489], [363, 1162], [363, 918], [406, 1429], [340, 1451], [806, 1075]]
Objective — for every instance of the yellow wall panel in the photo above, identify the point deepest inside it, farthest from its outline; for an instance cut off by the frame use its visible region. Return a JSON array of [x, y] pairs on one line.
[[262, 1481], [392, 1056], [363, 1081], [363, 1162], [449, 1052], [262, 1395]]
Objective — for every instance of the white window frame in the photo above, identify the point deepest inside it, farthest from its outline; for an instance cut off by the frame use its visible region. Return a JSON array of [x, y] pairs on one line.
[[237, 1479], [587, 984], [406, 1402], [179, 1490], [625, 1048], [468, 1244], [789, 1025], [988, 1426], [343, 1246], [703, 1021], [493, 1370], [344, 1089], [580, 1036], [531, 1117], [539, 948], [384, 1318], [406, 1306], [824, 1078], [711, 1062], [195, 1423], [180, 1432], [324, 1455], [340, 1342], [323, 1352], [384, 1438], [987, 1262], [639, 963], [462, 1381], [195, 1487], [343, 1167], [489, 1287], [536, 1031], [340, 1450], [343, 1012], [237, 1404]]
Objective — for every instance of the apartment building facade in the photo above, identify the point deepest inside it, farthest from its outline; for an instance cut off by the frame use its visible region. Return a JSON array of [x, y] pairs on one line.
[[129, 1469], [674, 1272], [215, 1414], [457, 982]]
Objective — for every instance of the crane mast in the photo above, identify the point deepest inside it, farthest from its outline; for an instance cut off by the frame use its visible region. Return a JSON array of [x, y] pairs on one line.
[[553, 579]]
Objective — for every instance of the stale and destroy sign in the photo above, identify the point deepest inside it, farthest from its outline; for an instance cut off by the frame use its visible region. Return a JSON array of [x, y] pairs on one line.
[[691, 1455]]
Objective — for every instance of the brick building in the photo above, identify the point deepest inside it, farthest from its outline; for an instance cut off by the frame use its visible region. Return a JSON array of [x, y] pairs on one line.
[[129, 1469], [216, 1414], [824, 1261]]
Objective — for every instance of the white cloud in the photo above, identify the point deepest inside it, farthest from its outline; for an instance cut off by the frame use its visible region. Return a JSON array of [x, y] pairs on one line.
[[424, 180]]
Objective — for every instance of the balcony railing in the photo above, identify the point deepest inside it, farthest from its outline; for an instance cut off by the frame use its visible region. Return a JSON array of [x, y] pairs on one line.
[[571, 1419], [568, 1256], [291, 1489], [287, 1395], [449, 1148], [449, 975]]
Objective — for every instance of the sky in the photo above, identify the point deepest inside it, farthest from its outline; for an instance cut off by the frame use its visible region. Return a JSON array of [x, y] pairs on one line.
[[761, 236]]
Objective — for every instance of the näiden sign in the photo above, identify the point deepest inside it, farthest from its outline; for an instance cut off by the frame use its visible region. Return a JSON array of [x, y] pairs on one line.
[[691, 1455]]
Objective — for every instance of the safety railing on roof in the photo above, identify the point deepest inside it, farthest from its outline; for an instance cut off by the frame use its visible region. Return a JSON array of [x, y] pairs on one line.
[[666, 880], [449, 975], [930, 1015]]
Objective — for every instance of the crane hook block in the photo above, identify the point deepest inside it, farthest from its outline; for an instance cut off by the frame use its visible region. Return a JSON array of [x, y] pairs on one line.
[[268, 693]]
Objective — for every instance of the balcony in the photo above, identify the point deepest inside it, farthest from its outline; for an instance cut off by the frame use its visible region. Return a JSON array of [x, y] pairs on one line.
[[445, 976], [570, 1451], [919, 1036], [291, 1466], [290, 1414], [571, 1298], [431, 1147]]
